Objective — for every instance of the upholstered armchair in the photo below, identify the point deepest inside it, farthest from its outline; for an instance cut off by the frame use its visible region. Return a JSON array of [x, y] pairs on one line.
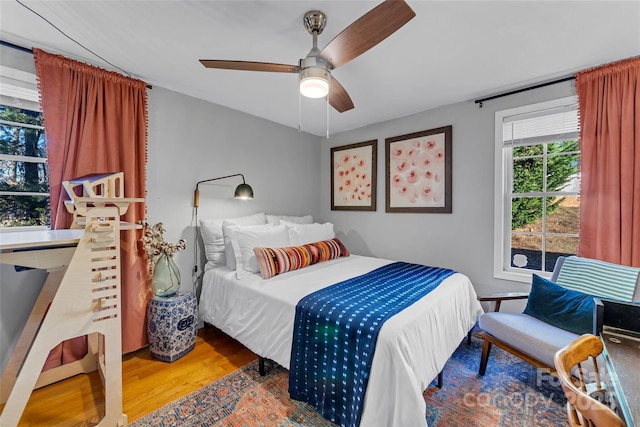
[[558, 317]]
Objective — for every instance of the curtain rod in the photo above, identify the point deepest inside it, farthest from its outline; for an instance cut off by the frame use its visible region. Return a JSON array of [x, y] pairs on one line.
[[15, 46], [524, 89], [28, 50]]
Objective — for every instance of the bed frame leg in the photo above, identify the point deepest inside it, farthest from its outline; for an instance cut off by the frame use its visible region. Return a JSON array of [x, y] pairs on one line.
[[439, 383], [261, 366]]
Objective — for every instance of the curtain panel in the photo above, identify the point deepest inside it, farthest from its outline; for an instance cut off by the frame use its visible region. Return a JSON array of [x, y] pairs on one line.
[[96, 122], [609, 103]]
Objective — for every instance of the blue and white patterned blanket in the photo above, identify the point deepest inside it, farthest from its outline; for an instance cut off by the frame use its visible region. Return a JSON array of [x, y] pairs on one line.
[[335, 333]]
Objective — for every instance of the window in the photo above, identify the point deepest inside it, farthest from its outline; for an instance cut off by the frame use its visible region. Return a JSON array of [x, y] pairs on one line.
[[24, 175], [537, 197], [24, 180]]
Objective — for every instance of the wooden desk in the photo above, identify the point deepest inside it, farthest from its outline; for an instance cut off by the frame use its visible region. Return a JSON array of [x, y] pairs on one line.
[[50, 250], [622, 358], [38, 238], [81, 296]]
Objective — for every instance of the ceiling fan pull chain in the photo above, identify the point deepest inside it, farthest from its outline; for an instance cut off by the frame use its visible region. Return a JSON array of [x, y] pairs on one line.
[[299, 112], [327, 102]]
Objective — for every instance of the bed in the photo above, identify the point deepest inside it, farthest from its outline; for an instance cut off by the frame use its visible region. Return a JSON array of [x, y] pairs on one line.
[[412, 347]]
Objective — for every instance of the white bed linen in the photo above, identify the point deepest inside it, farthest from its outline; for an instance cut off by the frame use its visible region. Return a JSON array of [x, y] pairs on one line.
[[412, 346]]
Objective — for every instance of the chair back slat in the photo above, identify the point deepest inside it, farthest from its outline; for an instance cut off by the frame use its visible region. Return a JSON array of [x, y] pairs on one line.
[[581, 380], [596, 370]]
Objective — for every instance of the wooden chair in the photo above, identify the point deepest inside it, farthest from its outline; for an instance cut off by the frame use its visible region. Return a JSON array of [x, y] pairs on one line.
[[586, 401]]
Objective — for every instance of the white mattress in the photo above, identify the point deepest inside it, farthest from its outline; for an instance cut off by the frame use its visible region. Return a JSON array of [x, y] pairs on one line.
[[412, 346]]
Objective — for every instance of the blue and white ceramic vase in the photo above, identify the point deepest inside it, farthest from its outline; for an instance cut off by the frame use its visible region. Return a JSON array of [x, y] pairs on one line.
[[166, 276]]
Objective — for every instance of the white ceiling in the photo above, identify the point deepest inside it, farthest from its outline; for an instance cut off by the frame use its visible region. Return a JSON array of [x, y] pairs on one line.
[[451, 51]]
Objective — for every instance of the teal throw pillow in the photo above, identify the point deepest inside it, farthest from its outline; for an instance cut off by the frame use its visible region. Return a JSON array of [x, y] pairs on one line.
[[565, 308]]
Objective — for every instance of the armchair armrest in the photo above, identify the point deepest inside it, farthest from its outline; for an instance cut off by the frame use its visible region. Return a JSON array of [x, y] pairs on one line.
[[504, 296]]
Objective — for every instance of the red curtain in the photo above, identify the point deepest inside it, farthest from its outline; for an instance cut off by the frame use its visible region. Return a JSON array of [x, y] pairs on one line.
[[609, 102], [96, 122]]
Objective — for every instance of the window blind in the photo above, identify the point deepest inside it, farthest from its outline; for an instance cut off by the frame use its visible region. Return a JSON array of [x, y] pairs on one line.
[[556, 124]]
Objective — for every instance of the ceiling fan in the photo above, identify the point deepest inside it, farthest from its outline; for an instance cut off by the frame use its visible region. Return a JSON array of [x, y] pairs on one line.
[[314, 71]]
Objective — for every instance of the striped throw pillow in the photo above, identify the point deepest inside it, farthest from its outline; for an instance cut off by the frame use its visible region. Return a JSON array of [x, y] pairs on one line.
[[274, 261]]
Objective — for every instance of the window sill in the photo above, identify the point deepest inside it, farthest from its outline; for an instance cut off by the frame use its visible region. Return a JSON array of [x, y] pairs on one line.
[[518, 275]]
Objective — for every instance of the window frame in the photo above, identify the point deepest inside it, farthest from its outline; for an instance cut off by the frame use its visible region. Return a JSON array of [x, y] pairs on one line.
[[503, 178]]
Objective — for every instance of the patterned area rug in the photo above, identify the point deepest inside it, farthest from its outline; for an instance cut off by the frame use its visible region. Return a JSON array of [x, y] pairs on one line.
[[512, 393]]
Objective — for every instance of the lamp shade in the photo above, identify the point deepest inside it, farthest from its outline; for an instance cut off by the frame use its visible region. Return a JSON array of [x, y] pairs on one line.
[[314, 82], [243, 191]]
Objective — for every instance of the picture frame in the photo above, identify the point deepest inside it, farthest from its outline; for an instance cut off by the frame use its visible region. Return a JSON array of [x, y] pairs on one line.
[[353, 176], [418, 172]]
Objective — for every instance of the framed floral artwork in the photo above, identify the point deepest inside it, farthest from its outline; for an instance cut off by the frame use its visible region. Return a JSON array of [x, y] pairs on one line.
[[353, 176], [418, 172]]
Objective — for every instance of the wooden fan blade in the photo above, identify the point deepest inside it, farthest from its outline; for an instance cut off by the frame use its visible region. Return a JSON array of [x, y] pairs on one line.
[[250, 66], [369, 30], [338, 97]]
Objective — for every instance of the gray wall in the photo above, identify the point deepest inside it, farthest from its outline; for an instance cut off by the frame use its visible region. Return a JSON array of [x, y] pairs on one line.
[[191, 140], [462, 240], [18, 293]]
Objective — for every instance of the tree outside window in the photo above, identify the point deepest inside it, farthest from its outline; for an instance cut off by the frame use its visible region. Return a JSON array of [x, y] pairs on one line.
[[24, 180], [544, 204]]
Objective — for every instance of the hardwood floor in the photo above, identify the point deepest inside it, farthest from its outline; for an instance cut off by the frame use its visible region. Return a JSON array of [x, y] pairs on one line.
[[147, 384]]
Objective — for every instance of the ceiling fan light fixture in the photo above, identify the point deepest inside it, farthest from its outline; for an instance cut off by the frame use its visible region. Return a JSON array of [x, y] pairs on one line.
[[314, 71], [314, 82]]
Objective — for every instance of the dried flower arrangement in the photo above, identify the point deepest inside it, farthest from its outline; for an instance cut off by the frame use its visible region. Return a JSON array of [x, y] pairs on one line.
[[154, 244]]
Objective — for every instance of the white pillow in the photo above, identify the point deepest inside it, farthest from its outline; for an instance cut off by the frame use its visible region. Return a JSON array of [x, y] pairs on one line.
[[275, 219], [275, 236], [229, 231], [211, 231], [301, 234]]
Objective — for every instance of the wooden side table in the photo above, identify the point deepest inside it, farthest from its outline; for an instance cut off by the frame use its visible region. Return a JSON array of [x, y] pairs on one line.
[[172, 324]]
